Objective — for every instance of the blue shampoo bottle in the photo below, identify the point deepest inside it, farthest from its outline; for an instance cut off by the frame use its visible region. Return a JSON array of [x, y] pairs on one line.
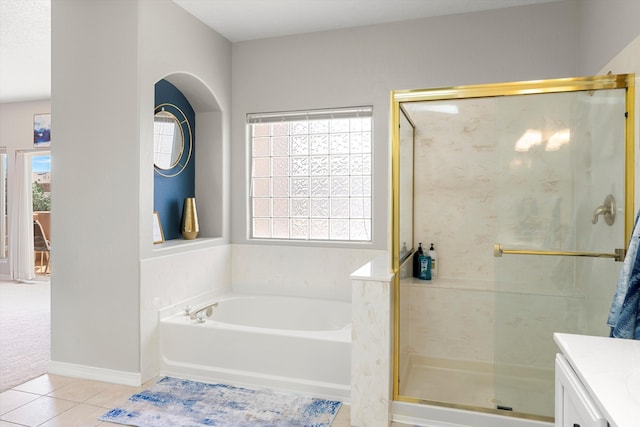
[[425, 267]]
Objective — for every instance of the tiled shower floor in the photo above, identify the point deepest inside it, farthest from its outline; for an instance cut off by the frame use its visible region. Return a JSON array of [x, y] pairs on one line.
[[475, 385]]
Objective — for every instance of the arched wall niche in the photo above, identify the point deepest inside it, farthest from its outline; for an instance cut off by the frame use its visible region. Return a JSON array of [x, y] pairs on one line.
[[208, 153], [197, 92]]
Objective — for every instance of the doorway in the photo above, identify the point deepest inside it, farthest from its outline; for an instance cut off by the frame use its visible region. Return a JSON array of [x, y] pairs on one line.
[[29, 219], [25, 301], [41, 211]]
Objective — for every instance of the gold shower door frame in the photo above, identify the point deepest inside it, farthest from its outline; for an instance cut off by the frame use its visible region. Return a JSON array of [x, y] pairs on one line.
[[625, 81]]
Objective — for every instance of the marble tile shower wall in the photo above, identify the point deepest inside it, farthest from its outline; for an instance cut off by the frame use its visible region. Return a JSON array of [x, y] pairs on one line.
[[601, 127], [474, 189], [456, 208], [455, 189]]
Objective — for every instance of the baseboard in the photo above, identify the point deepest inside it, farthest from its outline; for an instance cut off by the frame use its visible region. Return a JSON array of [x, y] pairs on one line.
[[97, 374]]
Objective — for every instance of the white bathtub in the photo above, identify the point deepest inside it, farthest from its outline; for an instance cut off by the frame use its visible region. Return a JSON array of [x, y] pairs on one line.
[[297, 344]]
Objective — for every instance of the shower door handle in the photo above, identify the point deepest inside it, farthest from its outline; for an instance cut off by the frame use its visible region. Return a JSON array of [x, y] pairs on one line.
[[498, 251]]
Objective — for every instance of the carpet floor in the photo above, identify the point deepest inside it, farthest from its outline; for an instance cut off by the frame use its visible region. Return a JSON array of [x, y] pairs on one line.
[[25, 332]]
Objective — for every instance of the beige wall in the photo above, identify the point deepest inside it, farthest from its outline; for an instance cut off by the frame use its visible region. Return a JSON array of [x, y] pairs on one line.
[[360, 66], [106, 58]]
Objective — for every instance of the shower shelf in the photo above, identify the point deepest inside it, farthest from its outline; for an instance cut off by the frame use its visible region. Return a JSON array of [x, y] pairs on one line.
[[451, 284]]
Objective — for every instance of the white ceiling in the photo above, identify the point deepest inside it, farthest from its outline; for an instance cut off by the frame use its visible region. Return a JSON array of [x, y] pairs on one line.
[[241, 20], [25, 27], [25, 50]]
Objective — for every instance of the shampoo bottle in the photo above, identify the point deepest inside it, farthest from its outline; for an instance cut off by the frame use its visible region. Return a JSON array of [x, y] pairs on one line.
[[434, 263], [416, 261], [425, 267]]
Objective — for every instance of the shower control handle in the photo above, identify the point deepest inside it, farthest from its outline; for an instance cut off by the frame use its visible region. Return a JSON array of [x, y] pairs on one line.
[[607, 210]]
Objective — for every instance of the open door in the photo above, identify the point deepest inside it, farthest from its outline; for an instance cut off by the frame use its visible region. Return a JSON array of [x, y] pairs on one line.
[[32, 189]]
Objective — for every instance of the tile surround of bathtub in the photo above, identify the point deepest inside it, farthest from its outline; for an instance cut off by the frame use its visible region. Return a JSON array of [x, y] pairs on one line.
[[295, 270], [371, 375], [167, 281]]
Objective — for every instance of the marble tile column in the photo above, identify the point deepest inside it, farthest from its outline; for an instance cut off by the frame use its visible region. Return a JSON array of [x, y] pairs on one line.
[[371, 348]]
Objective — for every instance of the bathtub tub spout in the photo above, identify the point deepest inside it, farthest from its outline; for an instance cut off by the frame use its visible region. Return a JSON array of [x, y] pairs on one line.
[[203, 312]]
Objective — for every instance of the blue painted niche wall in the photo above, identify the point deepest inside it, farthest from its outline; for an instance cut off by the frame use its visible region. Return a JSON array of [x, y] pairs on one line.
[[169, 192]]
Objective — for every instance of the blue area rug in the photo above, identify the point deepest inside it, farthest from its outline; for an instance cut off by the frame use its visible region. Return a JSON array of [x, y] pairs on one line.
[[173, 402]]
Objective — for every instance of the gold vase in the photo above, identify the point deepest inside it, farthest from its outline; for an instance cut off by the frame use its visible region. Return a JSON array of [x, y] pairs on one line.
[[189, 226]]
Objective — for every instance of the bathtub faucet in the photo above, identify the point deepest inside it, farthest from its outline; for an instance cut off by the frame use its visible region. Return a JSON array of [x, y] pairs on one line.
[[203, 312]]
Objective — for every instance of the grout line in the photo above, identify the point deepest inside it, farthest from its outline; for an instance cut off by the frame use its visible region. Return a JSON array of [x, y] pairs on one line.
[[57, 415], [20, 406]]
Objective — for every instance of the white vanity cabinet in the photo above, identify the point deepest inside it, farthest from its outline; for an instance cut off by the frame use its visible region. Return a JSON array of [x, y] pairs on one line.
[[597, 381], [574, 405]]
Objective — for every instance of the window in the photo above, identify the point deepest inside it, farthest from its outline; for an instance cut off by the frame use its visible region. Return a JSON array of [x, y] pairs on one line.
[[311, 175]]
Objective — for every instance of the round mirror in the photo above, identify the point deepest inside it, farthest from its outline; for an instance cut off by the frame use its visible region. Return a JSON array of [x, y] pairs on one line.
[[168, 140]]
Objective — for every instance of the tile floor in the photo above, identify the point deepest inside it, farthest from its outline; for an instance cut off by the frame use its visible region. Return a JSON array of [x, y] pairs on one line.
[[52, 400], [57, 401]]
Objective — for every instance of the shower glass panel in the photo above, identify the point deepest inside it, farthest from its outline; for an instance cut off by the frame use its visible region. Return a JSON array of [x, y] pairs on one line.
[[527, 166], [406, 186], [559, 155]]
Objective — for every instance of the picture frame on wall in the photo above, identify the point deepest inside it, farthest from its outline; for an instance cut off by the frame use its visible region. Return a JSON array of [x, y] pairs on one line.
[[41, 130], [158, 235]]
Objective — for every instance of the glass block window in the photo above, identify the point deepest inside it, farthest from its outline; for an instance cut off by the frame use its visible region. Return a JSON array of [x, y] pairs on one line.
[[311, 174]]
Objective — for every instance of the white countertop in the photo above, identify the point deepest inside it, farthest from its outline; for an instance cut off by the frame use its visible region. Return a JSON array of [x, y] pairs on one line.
[[610, 371]]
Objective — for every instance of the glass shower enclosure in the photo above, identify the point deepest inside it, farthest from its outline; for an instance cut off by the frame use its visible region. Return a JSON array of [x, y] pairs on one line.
[[526, 191]]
